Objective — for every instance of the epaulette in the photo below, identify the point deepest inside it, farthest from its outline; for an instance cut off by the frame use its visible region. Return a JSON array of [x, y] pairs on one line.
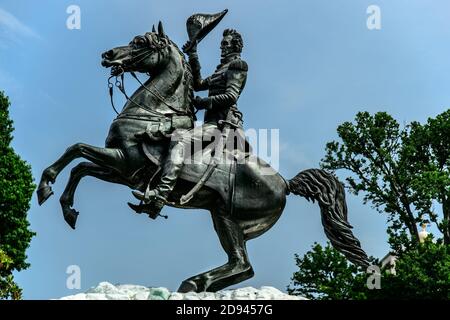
[[238, 64]]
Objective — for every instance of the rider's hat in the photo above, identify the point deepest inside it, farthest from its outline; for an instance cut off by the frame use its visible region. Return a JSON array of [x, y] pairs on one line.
[[200, 24]]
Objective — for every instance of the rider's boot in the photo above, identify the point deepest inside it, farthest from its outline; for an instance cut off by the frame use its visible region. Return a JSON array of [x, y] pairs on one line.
[[154, 200]]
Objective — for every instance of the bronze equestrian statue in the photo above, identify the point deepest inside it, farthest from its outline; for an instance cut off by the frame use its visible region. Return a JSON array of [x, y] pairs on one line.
[[148, 148]]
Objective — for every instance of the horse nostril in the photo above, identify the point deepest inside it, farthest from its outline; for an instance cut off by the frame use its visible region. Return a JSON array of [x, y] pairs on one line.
[[108, 54]]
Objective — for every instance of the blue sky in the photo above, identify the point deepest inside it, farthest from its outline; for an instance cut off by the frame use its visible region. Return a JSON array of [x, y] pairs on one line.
[[312, 66]]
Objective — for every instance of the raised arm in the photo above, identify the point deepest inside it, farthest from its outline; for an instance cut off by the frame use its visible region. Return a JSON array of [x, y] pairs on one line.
[[198, 83]]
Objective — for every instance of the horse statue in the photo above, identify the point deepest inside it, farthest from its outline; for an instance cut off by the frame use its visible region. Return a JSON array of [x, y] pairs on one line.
[[243, 202]]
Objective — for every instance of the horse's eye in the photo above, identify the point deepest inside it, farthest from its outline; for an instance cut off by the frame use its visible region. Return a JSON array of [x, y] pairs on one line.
[[139, 42]]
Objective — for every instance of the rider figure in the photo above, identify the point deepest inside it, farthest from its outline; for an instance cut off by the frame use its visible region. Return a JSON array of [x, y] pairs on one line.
[[225, 87]]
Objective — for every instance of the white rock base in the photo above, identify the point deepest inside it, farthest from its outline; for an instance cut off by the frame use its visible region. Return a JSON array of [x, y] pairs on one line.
[[107, 291]]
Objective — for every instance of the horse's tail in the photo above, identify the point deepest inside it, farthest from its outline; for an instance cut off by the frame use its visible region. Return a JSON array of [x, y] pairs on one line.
[[316, 184]]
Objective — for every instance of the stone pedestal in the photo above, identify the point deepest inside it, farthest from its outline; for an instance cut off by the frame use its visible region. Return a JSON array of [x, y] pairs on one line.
[[107, 291]]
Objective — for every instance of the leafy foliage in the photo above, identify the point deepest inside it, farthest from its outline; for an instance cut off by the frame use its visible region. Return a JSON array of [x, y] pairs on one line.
[[8, 288], [427, 152], [399, 171], [422, 272], [16, 188], [324, 274]]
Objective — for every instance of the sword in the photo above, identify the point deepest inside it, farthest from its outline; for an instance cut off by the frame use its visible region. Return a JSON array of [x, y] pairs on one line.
[[215, 160]]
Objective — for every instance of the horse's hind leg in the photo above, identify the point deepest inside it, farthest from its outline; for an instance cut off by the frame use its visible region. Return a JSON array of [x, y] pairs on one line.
[[105, 157], [78, 172], [238, 267]]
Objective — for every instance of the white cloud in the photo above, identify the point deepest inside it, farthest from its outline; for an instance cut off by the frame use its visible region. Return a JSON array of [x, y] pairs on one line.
[[12, 28]]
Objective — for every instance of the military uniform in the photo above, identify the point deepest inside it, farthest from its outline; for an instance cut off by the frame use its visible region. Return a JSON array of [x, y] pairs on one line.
[[225, 87]]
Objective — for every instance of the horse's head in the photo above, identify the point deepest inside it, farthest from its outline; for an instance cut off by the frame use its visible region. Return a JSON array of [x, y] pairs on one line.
[[147, 53]]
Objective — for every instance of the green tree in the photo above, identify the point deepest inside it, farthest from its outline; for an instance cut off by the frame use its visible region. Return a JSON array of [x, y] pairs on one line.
[[427, 153], [400, 171], [421, 272], [8, 288], [325, 274], [16, 189]]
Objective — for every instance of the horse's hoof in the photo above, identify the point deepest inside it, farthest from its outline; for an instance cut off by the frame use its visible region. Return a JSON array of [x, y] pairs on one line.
[[187, 286], [43, 194], [70, 215]]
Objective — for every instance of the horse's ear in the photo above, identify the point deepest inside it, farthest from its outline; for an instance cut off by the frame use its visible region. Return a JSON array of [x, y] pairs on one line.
[[153, 29], [161, 30]]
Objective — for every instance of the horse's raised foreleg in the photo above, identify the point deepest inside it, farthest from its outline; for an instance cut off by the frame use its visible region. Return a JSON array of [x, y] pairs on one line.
[[78, 172], [237, 268], [105, 157]]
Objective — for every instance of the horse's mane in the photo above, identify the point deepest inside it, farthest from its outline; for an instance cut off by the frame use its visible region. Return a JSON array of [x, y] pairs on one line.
[[188, 78]]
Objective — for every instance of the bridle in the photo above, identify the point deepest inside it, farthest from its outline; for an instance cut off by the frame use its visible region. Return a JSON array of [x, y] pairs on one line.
[[120, 81]]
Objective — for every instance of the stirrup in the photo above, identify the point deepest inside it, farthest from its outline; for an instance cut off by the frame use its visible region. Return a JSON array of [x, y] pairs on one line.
[[147, 197], [149, 209]]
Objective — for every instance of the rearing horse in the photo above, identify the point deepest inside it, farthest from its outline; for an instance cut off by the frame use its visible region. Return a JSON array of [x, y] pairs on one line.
[[254, 201]]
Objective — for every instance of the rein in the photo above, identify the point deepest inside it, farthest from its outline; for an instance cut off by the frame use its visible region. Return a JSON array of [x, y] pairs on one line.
[[120, 84], [111, 90], [158, 95]]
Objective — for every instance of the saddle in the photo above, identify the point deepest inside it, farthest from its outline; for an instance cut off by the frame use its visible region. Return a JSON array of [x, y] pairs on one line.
[[222, 178]]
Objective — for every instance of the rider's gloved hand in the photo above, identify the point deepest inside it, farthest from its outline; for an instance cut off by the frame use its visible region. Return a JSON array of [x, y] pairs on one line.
[[202, 103], [190, 47]]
